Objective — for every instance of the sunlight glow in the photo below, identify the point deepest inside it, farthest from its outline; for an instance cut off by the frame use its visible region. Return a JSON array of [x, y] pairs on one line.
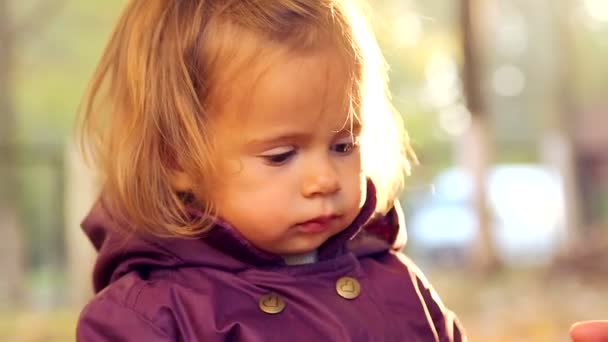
[[597, 9], [455, 120], [442, 80], [407, 29], [380, 138]]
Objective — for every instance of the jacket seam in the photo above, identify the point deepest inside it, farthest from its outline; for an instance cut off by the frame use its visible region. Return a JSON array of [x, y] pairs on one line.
[[139, 315], [136, 295]]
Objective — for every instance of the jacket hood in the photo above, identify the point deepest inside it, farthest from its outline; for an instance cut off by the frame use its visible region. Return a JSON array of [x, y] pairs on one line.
[[121, 251]]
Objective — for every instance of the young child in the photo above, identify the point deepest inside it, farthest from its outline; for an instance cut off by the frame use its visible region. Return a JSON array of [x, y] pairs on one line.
[[250, 160]]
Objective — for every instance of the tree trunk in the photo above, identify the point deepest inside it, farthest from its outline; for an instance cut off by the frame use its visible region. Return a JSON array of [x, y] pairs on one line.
[[477, 147], [12, 260], [562, 151]]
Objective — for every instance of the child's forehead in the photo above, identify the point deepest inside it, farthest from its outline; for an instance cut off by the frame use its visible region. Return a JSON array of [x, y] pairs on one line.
[[257, 57], [316, 71], [290, 95], [288, 81]]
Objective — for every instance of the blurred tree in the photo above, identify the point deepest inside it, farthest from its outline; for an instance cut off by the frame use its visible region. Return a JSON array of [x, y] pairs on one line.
[[562, 128], [477, 148], [12, 256], [57, 44], [11, 244]]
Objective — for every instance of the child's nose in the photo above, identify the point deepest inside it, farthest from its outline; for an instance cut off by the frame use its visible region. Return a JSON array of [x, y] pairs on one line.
[[321, 179]]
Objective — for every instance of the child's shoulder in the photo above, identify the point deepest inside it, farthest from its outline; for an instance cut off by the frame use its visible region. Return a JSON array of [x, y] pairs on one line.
[[129, 303], [128, 292]]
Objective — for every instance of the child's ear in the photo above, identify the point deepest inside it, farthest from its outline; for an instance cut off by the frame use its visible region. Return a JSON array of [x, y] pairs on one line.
[[180, 181]]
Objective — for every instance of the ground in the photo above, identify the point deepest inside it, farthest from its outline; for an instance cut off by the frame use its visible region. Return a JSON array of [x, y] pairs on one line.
[[532, 305]]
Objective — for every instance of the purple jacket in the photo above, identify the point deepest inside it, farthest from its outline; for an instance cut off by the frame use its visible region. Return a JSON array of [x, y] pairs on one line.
[[221, 288]]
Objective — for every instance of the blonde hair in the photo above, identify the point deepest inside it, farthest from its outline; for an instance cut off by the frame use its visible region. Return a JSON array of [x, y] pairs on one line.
[[145, 115]]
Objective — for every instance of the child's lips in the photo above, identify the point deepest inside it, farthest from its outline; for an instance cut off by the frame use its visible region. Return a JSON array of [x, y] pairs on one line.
[[318, 224]]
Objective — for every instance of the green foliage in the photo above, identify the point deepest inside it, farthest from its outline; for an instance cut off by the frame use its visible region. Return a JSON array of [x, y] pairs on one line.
[[56, 57], [591, 57], [57, 46]]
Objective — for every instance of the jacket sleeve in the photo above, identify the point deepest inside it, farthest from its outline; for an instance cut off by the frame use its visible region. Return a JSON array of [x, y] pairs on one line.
[[445, 322], [106, 320]]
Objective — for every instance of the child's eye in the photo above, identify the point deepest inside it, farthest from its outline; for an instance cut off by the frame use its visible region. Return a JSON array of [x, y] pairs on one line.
[[344, 146], [278, 159]]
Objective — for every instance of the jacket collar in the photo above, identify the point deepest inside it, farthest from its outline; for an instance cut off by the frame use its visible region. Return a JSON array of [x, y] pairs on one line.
[[122, 249], [229, 241]]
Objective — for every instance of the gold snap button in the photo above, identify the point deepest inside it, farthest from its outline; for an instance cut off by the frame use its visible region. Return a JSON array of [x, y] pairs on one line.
[[272, 303], [348, 288]]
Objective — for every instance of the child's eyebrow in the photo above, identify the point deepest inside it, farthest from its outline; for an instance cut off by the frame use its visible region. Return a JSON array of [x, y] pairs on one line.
[[298, 137], [277, 140]]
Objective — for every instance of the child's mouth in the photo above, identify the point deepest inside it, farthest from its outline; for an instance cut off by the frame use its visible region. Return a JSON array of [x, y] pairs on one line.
[[318, 224]]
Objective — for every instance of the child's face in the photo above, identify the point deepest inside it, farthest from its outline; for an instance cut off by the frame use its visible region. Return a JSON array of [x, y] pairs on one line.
[[290, 169]]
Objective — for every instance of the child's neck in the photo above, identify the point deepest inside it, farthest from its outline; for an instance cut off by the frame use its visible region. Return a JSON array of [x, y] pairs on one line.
[[301, 259]]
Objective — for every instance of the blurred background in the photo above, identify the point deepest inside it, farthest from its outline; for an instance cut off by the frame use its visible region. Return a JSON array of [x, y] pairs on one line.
[[506, 102]]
